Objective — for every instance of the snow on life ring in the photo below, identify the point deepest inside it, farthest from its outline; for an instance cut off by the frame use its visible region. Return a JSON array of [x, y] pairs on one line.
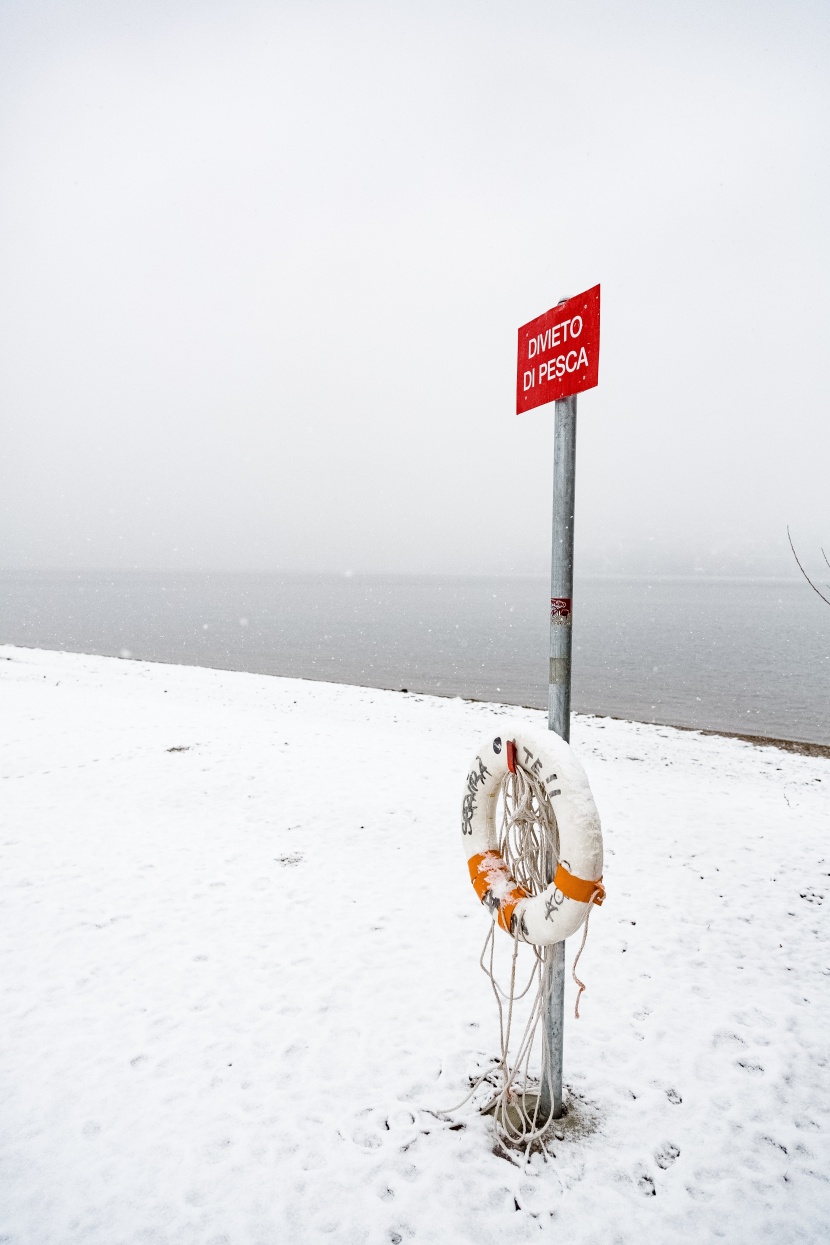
[[559, 910]]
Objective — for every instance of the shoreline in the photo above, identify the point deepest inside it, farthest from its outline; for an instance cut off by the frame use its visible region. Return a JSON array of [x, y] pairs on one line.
[[798, 747]]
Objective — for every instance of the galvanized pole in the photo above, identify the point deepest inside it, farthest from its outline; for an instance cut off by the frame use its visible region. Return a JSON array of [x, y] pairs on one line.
[[562, 568], [559, 719]]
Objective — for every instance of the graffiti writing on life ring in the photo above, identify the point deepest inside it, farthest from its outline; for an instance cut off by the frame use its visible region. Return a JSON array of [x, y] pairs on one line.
[[552, 905], [475, 779], [554, 902]]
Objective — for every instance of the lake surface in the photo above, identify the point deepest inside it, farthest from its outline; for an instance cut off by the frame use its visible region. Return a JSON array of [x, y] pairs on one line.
[[750, 656]]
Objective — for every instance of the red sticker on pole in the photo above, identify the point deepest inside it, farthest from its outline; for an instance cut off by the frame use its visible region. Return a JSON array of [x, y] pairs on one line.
[[559, 352]]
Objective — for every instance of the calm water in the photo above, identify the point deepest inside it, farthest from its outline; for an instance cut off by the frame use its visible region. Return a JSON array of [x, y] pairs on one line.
[[750, 656]]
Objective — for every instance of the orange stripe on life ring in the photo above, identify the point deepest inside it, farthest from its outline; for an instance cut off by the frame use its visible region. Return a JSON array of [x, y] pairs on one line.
[[508, 906], [489, 873], [573, 887], [482, 867]]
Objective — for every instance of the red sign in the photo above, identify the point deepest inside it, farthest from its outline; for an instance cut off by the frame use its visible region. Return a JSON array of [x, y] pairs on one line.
[[559, 352]]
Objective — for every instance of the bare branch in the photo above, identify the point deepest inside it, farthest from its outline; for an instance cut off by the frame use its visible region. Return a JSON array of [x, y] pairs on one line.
[[824, 555], [825, 599]]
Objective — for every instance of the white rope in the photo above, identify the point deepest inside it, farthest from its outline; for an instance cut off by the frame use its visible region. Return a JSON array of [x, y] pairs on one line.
[[529, 844], [529, 837], [581, 984]]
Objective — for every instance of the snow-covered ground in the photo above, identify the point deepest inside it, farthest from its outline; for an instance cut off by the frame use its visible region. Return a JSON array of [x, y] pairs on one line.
[[239, 975]]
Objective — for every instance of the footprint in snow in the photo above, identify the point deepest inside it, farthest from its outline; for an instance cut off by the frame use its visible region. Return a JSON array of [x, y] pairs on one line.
[[666, 1154], [724, 1038], [645, 1184], [812, 896], [366, 1139]]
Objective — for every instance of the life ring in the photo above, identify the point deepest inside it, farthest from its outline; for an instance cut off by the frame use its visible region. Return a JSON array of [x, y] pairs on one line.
[[559, 910]]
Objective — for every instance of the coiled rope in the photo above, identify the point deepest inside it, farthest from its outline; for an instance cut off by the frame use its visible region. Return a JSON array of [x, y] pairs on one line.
[[529, 844]]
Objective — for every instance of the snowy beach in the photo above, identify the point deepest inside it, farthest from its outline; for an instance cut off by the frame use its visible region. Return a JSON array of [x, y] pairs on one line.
[[240, 981]]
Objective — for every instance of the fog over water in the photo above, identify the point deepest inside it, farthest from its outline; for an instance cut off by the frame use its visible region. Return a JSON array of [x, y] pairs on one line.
[[264, 266]]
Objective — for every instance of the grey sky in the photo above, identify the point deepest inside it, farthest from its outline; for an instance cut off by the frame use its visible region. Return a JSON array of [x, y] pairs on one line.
[[263, 267]]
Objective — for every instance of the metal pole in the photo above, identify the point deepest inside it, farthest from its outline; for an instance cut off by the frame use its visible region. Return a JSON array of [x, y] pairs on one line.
[[559, 719], [562, 568]]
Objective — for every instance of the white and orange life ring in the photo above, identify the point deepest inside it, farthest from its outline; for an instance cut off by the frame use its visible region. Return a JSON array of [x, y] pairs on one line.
[[559, 910]]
